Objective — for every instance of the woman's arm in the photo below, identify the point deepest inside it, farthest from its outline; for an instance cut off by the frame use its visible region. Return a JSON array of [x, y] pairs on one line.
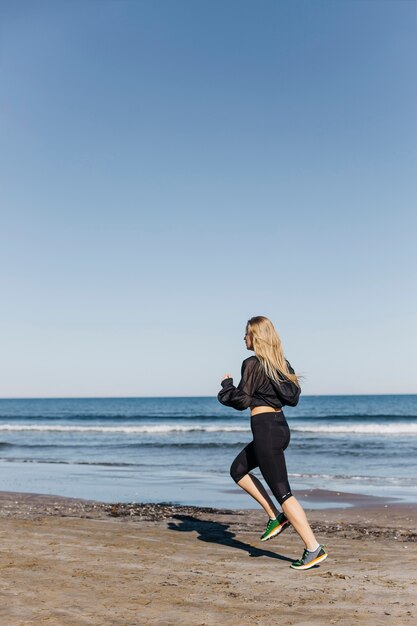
[[239, 397]]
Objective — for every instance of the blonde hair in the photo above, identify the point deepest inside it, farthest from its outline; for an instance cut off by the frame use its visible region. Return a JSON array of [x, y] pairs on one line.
[[268, 348]]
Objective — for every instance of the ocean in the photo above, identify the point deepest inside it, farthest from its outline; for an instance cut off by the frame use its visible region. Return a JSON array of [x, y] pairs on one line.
[[180, 449]]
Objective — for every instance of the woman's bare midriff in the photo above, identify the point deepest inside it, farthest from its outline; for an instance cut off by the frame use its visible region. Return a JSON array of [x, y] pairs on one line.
[[263, 409]]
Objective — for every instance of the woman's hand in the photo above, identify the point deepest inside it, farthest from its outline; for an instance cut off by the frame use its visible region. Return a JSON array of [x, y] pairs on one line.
[[226, 376]]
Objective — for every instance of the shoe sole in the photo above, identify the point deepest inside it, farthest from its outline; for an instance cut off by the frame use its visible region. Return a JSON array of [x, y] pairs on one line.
[[276, 531], [316, 561]]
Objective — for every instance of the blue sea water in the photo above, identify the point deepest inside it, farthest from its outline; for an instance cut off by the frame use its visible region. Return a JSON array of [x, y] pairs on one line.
[[180, 449]]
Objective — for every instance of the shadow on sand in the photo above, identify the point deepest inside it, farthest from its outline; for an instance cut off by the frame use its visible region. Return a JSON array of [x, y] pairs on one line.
[[215, 532]]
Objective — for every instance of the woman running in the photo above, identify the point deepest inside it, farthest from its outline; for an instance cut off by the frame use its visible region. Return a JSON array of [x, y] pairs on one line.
[[268, 383]]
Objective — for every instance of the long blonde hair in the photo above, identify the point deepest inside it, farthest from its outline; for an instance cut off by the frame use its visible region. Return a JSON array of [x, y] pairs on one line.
[[268, 348]]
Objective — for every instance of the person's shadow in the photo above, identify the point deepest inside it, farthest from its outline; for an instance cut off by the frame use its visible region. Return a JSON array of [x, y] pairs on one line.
[[215, 532]]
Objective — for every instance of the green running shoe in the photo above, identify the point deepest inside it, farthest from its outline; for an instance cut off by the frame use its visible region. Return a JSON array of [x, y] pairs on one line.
[[310, 559], [275, 526]]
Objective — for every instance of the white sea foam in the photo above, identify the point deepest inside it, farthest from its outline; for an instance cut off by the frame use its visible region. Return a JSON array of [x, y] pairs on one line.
[[150, 429], [366, 429], [371, 429]]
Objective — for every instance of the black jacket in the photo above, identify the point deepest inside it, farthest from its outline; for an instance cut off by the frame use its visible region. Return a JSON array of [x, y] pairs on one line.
[[257, 389]]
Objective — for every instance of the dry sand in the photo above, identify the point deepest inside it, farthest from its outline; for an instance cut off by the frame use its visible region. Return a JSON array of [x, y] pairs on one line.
[[68, 562]]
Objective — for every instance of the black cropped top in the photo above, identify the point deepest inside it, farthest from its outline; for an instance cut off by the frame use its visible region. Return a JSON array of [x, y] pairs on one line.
[[257, 389]]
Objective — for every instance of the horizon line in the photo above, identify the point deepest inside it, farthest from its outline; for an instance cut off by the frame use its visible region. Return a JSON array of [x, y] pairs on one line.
[[309, 395]]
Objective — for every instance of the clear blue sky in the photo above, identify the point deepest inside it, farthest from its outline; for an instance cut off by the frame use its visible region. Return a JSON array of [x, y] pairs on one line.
[[171, 168]]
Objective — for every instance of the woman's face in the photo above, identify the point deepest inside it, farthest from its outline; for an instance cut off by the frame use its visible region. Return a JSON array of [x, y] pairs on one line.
[[248, 340]]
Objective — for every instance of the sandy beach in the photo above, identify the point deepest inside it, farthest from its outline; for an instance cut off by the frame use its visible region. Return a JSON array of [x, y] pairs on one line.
[[75, 562]]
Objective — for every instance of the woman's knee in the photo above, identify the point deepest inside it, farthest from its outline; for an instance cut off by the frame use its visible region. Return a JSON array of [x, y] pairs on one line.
[[276, 477], [237, 470], [283, 497]]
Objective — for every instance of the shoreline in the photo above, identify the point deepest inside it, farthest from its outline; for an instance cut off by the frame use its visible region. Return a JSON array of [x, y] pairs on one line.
[[327, 498], [373, 517], [108, 484], [164, 565]]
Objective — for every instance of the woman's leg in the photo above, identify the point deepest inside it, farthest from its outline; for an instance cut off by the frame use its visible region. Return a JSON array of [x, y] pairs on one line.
[[294, 512], [240, 472], [271, 438], [255, 488], [274, 470]]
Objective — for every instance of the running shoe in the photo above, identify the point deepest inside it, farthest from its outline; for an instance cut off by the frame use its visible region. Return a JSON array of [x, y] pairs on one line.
[[310, 559], [275, 526]]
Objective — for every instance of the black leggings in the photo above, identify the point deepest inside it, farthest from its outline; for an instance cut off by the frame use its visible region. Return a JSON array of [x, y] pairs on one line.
[[271, 436]]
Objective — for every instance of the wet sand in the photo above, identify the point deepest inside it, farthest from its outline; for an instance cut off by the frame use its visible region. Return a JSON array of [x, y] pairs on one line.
[[67, 562]]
